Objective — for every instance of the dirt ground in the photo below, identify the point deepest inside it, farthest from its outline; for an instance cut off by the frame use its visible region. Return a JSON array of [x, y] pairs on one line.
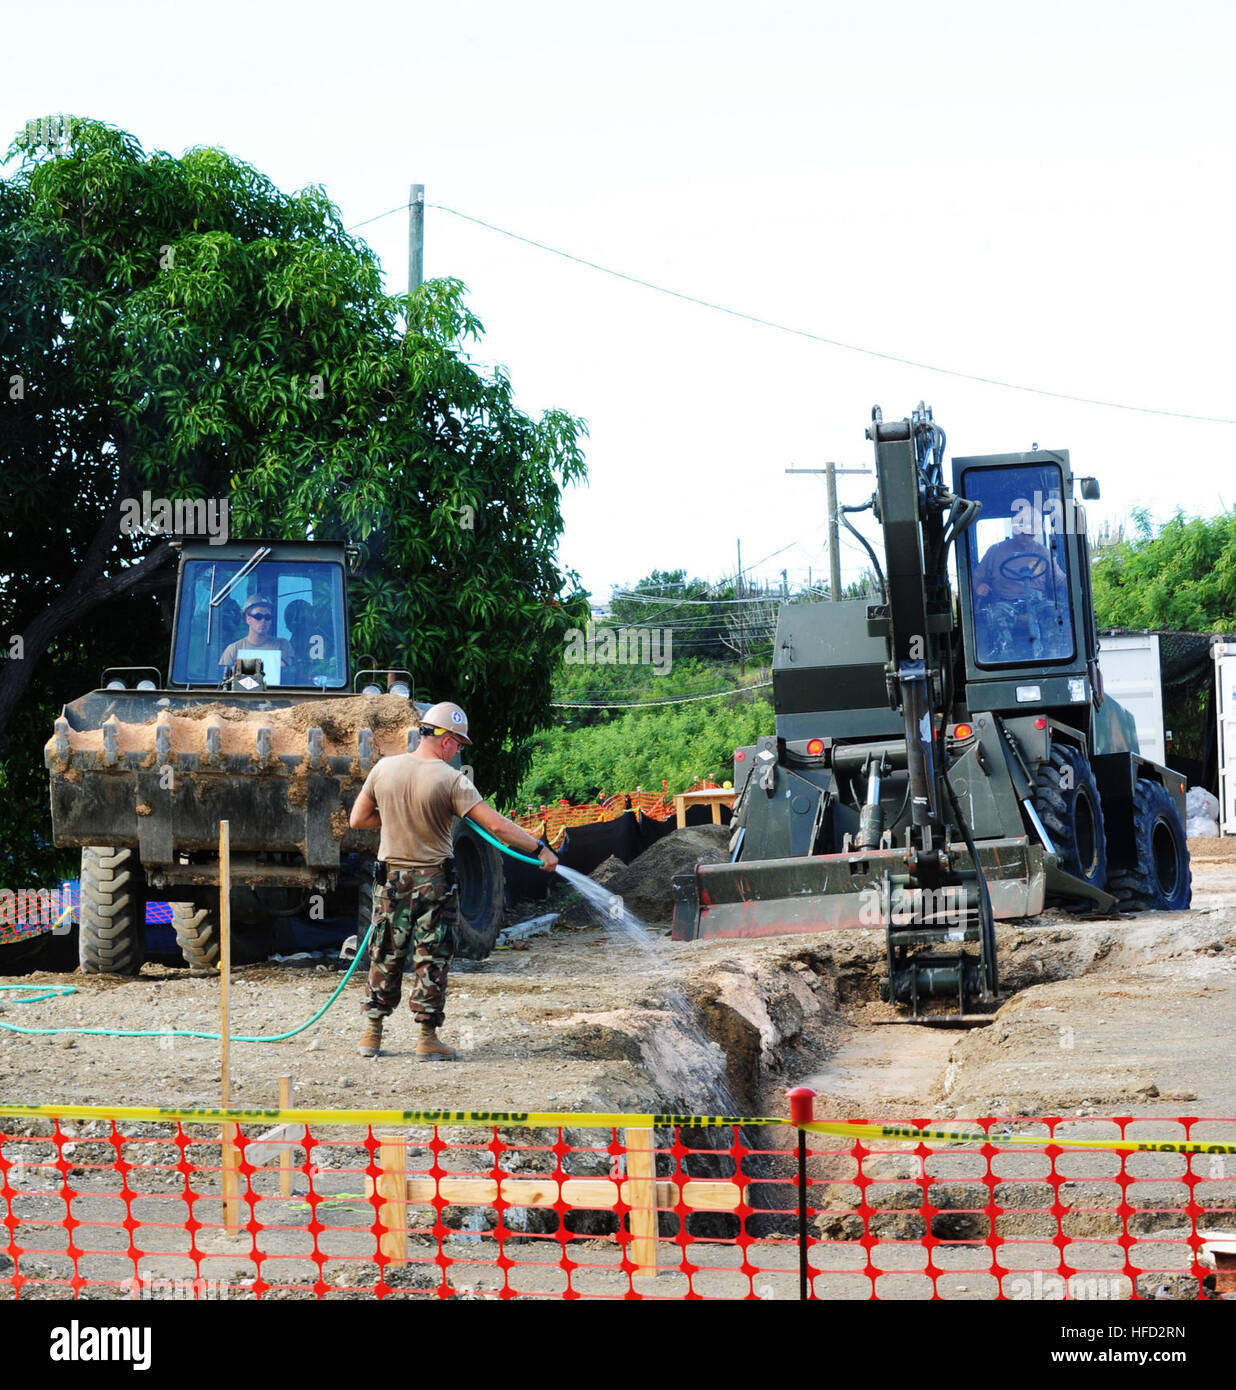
[[1116, 1016], [1122, 1016]]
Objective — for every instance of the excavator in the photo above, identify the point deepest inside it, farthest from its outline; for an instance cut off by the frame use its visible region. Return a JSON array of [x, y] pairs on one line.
[[946, 756]]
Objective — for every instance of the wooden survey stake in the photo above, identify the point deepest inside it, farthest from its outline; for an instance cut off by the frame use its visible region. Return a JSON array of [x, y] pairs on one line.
[[229, 1153]]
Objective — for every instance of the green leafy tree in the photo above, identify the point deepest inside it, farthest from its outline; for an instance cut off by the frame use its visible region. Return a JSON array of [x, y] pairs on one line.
[[180, 325], [1183, 579], [707, 620], [643, 747]]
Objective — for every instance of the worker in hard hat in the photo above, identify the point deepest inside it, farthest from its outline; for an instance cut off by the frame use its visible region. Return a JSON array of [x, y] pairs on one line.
[[259, 614], [413, 798]]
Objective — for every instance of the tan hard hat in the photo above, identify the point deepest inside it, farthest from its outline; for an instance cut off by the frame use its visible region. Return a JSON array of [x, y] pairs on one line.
[[446, 718]]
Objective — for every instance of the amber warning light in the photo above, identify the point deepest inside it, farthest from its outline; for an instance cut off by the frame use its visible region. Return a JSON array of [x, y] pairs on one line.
[[815, 747], [962, 730]]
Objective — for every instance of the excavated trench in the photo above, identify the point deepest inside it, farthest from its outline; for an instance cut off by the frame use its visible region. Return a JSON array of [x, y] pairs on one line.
[[767, 1015]]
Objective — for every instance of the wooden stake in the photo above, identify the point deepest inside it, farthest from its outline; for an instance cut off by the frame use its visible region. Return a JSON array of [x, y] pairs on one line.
[[640, 1195], [230, 1155], [393, 1189], [231, 1179], [285, 1158], [225, 953]]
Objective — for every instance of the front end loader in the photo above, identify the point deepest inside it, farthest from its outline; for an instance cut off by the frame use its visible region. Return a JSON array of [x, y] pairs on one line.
[[260, 724]]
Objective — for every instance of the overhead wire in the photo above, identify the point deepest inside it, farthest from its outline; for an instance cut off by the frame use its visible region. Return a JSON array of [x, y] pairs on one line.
[[805, 333], [651, 704]]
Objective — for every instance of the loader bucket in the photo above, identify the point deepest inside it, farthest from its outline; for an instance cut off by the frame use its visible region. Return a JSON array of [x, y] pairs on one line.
[[157, 770], [771, 897]]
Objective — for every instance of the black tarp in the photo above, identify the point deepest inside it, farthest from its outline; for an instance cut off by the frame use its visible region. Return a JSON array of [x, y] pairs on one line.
[[587, 846]]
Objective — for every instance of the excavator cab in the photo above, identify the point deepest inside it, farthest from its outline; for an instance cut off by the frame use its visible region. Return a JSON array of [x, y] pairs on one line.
[[1020, 571]]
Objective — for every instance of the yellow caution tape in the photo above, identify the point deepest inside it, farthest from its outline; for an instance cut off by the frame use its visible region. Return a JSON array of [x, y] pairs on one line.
[[550, 1119], [911, 1134], [521, 1118]]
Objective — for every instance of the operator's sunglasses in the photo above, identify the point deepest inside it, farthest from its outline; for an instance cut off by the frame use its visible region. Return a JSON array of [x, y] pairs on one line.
[[264, 616]]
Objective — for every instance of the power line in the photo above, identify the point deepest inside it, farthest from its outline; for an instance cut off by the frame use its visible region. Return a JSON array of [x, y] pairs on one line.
[[377, 217], [643, 596], [651, 704], [813, 337]]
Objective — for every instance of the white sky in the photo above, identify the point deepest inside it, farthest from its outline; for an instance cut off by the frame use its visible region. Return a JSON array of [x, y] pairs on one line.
[[1040, 194]]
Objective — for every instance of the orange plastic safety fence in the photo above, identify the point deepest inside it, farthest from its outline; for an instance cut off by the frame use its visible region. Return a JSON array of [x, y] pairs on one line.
[[114, 1209], [551, 820], [1019, 1222]]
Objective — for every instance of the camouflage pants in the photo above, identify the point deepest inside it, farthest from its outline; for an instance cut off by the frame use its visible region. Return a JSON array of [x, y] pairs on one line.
[[414, 910]]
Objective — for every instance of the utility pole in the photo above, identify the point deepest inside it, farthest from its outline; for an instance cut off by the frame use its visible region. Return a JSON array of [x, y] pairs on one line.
[[834, 533], [742, 646], [830, 471], [416, 237]]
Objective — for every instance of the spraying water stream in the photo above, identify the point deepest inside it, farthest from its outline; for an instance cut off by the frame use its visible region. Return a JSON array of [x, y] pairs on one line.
[[614, 915]]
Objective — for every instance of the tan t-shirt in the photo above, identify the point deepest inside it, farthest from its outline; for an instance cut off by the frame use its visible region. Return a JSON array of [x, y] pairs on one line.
[[418, 798], [243, 644]]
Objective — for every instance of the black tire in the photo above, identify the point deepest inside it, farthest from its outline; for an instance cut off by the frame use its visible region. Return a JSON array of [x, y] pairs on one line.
[[1067, 800], [197, 935], [111, 940], [478, 871], [1163, 879]]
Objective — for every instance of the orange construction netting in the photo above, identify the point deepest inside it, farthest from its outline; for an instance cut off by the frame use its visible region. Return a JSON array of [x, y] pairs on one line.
[[551, 820], [315, 1209]]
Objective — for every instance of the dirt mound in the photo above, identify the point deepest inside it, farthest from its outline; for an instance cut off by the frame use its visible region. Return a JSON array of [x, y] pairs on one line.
[[646, 886], [604, 872]]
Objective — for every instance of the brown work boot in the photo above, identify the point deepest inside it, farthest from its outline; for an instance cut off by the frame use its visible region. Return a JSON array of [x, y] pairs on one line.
[[430, 1048], [370, 1044]]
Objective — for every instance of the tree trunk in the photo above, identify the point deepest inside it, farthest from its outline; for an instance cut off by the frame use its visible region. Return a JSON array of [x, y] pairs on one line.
[[88, 590]]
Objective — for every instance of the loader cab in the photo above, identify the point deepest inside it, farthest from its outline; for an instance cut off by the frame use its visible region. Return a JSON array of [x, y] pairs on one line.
[[282, 602], [1023, 581]]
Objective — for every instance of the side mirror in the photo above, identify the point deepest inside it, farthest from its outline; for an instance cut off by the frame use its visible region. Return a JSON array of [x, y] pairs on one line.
[[1089, 489]]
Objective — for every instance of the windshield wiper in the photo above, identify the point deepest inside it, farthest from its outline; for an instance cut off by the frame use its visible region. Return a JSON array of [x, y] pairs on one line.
[[248, 567]]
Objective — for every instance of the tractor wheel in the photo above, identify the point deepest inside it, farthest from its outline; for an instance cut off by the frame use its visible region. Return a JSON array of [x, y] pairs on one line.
[[1162, 880], [478, 871], [197, 936], [113, 912], [1067, 800]]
